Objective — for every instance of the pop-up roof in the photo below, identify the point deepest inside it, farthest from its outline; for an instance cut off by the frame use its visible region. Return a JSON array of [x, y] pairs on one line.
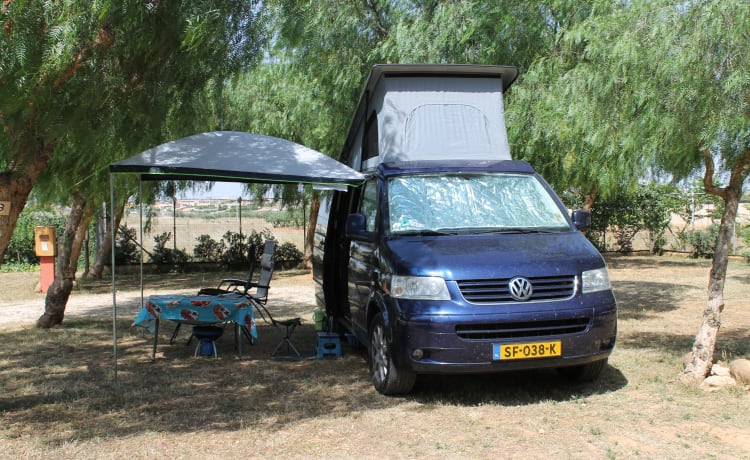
[[430, 112]]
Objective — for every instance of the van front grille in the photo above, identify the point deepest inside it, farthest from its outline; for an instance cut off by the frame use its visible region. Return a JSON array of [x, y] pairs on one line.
[[521, 330], [497, 290]]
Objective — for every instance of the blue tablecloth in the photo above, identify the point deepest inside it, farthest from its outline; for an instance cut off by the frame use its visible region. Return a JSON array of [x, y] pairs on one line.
[[197, 309]]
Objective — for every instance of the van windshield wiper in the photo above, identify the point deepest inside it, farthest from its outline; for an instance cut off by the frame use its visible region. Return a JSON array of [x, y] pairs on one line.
[[424, 232], [516, 230]]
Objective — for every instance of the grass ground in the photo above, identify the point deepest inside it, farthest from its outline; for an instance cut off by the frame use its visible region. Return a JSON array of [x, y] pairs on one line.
[[58, 398]]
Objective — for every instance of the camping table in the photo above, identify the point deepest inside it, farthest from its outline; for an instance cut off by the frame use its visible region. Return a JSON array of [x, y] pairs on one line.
[[198, 309]]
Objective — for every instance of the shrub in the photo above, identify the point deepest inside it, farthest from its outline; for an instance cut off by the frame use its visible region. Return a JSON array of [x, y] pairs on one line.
[[235, 255], [287, 256], [126, 251], [256, 241], [167, 259], [702, 243], [208, 249], [20, 251], [238, 248]]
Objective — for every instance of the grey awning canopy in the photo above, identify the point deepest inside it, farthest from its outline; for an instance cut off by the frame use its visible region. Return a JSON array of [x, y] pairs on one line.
[[232, 156]]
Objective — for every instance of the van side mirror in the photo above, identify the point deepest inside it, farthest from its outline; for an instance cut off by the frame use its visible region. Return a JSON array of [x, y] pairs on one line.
[[356, 228], [582, 219]]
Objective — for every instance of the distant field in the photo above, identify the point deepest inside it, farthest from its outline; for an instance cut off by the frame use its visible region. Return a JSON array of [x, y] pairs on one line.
[[188, 229]]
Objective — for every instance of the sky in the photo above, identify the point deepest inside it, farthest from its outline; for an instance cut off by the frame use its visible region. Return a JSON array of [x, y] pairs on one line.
[[219, 190]]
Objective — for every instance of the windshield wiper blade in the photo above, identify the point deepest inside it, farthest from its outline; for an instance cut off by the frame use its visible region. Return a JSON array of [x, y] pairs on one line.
[[424, 232], [515, 230]]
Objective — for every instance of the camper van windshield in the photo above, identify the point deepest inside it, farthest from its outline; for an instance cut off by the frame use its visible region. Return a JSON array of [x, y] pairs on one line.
[[472, 204]]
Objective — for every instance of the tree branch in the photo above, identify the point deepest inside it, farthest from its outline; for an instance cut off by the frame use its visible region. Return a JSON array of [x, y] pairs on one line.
[[708, 176], [380, 28], [103, 39], [740, 171]]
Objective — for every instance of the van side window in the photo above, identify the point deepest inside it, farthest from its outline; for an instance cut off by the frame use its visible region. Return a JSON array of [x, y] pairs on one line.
[[369, 205], [370, 148]]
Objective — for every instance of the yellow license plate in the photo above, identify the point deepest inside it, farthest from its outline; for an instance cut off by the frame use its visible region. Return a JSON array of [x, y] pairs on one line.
[[526, 350]]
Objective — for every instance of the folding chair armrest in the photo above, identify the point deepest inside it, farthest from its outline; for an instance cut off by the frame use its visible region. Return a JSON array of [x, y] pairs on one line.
[[212, 291], [232, 282]]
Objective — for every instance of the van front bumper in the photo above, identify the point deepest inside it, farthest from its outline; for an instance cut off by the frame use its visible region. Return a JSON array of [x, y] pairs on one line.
[[450, 344]]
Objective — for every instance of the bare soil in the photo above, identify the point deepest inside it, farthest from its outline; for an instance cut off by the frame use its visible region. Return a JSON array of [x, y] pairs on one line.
[[57, 399]]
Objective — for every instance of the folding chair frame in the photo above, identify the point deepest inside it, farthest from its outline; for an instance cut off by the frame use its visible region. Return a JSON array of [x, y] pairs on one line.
[[289, 326]]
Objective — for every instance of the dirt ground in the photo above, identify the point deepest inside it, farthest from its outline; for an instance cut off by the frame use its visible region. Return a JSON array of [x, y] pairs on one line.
[[26, 306], [636, 410]]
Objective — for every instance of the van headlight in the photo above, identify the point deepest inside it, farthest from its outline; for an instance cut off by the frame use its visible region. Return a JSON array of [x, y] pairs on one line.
[[419, 287], [595, 280]]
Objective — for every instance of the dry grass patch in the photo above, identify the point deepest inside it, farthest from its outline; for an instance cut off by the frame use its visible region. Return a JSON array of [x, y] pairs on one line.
[[58, 398]]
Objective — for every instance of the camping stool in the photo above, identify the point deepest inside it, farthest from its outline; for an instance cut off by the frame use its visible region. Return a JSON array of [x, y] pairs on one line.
[[329, 344], [290, 325], [207, 336]]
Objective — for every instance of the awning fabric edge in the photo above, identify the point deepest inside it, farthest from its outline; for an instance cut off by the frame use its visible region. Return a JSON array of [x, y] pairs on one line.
[[232, 156]]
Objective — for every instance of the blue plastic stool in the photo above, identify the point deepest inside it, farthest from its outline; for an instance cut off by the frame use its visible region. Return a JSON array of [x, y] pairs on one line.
[[207, 336], [328, 345]]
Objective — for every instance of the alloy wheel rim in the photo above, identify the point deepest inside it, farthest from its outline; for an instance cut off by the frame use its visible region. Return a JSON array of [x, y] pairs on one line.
[[379, 354]]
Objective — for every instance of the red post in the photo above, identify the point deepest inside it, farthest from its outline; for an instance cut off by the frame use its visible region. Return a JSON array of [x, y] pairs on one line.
[[47, 269], [45, 245]]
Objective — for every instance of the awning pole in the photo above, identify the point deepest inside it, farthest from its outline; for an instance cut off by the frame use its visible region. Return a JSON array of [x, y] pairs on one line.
[[140, 223], [114, 289]]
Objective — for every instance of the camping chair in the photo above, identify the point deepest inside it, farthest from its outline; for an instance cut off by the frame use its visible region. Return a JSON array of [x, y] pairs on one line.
[[227, 285], [244, 287], [264, 279], [260, 296], [256, 291]]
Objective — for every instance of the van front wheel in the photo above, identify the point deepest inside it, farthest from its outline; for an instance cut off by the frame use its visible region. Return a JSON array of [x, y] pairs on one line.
[[387, 378]]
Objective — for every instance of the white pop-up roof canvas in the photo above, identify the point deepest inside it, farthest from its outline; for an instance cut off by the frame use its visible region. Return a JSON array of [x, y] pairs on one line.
[[430, 112]]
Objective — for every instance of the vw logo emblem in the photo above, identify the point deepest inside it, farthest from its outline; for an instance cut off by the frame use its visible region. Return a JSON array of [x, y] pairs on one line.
[[520, 288]]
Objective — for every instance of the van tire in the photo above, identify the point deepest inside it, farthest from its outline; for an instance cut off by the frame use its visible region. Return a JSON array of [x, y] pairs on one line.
[[387, 378], [584, 372]]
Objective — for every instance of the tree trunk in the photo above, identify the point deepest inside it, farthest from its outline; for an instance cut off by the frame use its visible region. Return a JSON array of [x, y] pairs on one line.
[[702, 355], [69, 249], [588, 200], [310, 234], [104, 251], [15, 186]]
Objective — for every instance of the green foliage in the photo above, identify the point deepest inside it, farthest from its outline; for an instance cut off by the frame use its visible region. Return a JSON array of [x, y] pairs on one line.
[[79, 78], [238, 248], [208, 249], [21, 254], [257, 240], [236, 254], [126, 249], [15, 267], [702, 242], [287, 256], [630, 211], [290, 217], [744, 233], [166, 259], [632, 87], [21, 250], [234, 249]]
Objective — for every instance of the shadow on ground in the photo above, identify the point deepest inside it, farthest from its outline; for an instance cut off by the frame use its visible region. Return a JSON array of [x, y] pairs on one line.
[[642, 300], [58, 385]]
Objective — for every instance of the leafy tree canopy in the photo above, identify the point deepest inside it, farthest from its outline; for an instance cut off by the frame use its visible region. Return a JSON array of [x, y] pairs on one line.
[[85, 83]]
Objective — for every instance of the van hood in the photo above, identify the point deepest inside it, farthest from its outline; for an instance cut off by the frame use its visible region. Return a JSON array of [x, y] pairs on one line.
[[492, 256]]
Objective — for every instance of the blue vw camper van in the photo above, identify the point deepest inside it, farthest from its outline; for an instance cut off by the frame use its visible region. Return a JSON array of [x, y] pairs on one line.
[[452, 257]]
